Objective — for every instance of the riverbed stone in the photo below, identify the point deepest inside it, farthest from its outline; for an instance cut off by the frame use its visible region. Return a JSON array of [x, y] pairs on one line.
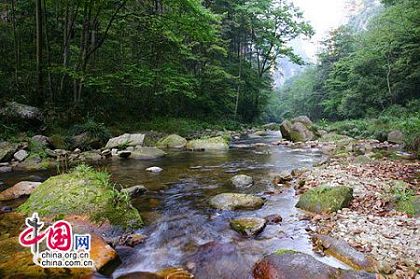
[[296, 131], [234, 201], [396, 136], [134, 191], [219, 260], [172, 141], [147, 153], [242, 181], [341, 250], [79, 192], [23, 188], [154, 169], [208, 144], [249, 226], [21, 155], [7, 150], [273, 219], [125, 140], [325, 199], [23, 115], [294, 265]]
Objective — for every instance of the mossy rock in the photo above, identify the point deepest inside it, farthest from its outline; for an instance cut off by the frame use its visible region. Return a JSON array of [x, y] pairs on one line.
[[172, 141], [250, 226], [79, 192], [205, 144], [284, 252], [325, 199], [411, 206]]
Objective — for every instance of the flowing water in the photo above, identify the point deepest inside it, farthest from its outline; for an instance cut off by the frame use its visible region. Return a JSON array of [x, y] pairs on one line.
[[176, 208]]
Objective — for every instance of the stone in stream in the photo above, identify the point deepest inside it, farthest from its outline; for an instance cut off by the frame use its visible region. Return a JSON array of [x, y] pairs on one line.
[[154, 169], [287, 264], [208, 144], [125, 140], [273, 219], [21, 155], [325, 199], [172, 141], [124, 154], [234, 201], [134, 191], [283, 177], [219, 260], [147, 153], [249, 227], [82, 191], [242, 181], [344, 252], [299, 129], [23, 188]]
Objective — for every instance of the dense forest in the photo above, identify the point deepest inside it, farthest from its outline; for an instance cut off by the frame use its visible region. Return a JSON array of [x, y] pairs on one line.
[[362, 74], [135, 60]]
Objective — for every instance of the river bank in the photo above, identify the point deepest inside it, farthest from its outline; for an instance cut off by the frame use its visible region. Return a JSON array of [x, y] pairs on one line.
[[181, 228]]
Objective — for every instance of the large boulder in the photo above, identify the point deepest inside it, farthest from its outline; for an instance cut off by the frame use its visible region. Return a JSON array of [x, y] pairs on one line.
[[325, 199], [22, 114], [147, 153], [219, 260], [172, 141], [242, 181], [23, 188], [287, 264], [396, 136], [298, 130], [7, 150], [344, 252], [79, 192], [85, 141], [250, 226], [234, 201], [42, 141], [208, 144], [125, 140]]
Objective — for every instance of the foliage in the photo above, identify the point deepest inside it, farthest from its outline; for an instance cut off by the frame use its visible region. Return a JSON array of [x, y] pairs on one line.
[[93, 130]]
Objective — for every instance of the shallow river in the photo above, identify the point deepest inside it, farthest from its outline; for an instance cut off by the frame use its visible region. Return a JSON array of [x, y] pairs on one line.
[[179, 219]]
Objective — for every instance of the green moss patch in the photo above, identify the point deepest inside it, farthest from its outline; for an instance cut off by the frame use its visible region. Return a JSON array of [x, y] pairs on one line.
[[281, 252], [325, 199], [83, 191]]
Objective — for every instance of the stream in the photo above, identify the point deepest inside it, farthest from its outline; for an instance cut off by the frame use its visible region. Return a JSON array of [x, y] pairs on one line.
[[179, 220]]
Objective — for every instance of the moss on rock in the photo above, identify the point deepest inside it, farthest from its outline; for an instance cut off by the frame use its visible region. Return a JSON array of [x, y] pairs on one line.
[[325, 199], [82, 191], [172, 141], [284, 252], [215, 143]]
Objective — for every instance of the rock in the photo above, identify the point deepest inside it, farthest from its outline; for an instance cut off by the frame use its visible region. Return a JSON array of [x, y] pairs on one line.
[[296, 132], [23, 188], [7, 150], [273, 219], [5, 209], [51, 153], [208, 144], [396, 136], [154, 169], [249, 227], [271, 126], [133, 239], [242, 181], [288, 264], [21, 155], [147, 153], [134, 191], [82, 191], [283, 177], [5, 169], [219, 260], [43, 141], [101, 253], [303, 119], [106, 153], [325, 199], [22, 114], [125, 140], [35, 163], [172, 141], [167, 273], [234, 201], [124, 154], [345, 253], [85, 141], [90, 157]]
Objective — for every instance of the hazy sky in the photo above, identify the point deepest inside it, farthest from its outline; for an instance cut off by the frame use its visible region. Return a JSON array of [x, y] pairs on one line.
[[323, 15]]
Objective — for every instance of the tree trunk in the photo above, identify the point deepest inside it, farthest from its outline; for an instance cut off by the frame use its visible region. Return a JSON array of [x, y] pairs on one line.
[[16, 46], [39, 69]]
